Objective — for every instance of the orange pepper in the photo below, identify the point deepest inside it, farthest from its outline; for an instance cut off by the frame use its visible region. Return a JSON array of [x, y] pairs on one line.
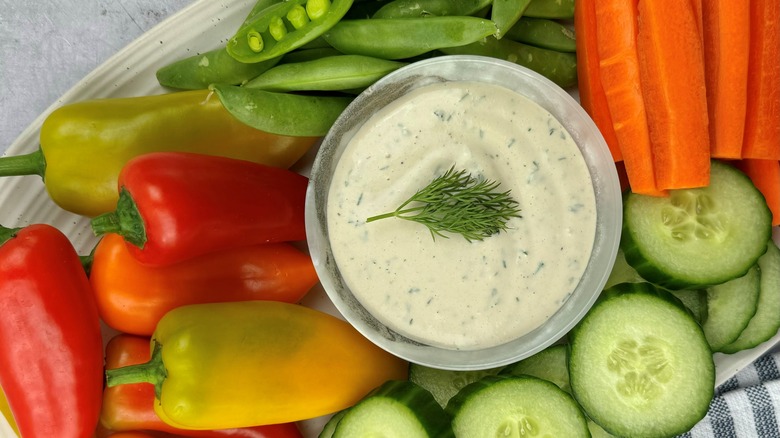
[[132, 297]]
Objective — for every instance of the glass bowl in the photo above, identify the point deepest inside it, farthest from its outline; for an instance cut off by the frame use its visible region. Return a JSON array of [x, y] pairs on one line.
[[563, 107]]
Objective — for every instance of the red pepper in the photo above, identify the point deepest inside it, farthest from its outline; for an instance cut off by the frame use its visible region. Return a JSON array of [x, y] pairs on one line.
[[132, 297], [51, 348], [175, 206], [131, 407]]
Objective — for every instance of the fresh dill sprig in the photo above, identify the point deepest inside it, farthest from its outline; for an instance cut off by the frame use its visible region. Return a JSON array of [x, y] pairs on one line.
[[459, 203]]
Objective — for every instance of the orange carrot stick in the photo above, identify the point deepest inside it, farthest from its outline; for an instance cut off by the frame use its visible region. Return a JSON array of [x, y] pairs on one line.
[[762, 124], [592, 97], [726, 46], [671, 66], [765, 175], [698, 11], [619, 69]]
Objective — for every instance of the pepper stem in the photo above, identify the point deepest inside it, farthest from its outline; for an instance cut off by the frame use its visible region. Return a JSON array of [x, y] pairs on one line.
[[149, 372], [33, 163], [7, 234], [125, 221]]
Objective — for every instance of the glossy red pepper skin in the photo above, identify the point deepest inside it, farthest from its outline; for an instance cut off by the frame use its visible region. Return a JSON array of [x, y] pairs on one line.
[[51, 348], [192, 204], [131, 407]]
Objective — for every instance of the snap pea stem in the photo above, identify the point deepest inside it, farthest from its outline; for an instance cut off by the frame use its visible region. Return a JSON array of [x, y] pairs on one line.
[[459, 203]]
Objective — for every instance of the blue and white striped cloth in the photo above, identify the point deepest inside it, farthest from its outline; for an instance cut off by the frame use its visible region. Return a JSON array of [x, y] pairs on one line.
[[745, 405]]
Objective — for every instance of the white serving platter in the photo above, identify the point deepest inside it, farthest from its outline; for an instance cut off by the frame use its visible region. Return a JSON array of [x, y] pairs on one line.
[[201, 26]]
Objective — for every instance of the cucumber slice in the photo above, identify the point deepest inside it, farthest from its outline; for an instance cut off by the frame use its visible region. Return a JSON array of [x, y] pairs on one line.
[[697, 237], [766, 322], [398, 408], [730, 306], [443, 384], [639, 364], [548, 364], [515, 406], [330, 426], [551, 364], [622, 272], [695, 300]]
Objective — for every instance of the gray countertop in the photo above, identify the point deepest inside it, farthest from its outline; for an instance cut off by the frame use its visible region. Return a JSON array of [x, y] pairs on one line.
[[47, 46]]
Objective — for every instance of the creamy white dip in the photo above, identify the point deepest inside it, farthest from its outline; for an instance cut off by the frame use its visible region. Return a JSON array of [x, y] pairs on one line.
[[450, 292]]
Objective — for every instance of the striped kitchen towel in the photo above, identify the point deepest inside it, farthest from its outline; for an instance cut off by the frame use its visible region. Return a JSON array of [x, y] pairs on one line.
[[747, 405]]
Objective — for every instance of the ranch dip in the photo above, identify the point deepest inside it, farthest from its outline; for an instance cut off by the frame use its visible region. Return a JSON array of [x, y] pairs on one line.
[[449, 292]]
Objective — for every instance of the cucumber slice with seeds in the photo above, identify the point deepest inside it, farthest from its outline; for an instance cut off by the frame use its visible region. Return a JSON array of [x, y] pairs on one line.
[[639, 364], [766, 322], [515, 406], [697, 237], [730, 306]]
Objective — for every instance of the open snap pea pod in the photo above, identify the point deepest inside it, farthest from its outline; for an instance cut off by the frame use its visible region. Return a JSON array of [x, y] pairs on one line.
[[332, 73], [399, 38], [544, 33], [559, 67], [212, 67], [199, 71], [505, 14], [281, 113], [554, 9], [283, 27], [427, 8]]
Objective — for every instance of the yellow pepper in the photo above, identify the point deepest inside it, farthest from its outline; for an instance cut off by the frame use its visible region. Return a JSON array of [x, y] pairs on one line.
[[5, 409], [84, 145], [241, 364]]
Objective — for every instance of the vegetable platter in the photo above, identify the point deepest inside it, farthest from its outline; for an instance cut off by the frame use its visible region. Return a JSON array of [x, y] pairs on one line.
[[199, 27]]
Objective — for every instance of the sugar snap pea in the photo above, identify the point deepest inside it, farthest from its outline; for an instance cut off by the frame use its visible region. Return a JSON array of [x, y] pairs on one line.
[[399, 38], [215, 66], [505, 14], [199, 71], [541, 32], [427, 8], [554, 9], [559, 67], [303, 55], [283, 27], [281, 113], [332, 73]]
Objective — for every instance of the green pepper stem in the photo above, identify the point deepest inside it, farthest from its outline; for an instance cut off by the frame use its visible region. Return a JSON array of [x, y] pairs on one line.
[[125, 221], [33, 163], [152, 372], [7, 234]]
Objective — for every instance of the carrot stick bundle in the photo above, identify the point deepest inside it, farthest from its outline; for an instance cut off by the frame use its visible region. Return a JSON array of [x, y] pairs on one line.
[[726, 47], [619, 69], [671, 68], [592, 96], [762, 123]]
